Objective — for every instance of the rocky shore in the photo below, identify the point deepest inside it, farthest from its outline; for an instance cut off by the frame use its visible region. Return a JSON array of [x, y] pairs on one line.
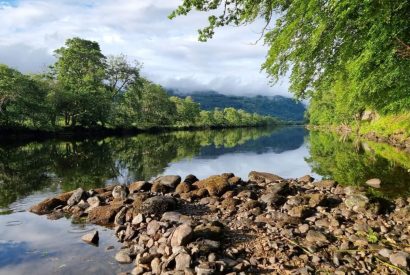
[[226, 225]]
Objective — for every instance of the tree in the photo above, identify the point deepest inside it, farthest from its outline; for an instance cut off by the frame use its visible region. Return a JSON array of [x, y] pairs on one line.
[[80, 69], [187, 110], [122, 75], [363, 43]]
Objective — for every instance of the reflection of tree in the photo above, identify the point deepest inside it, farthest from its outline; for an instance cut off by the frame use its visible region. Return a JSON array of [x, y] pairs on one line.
[[90, 163], [352, 165]]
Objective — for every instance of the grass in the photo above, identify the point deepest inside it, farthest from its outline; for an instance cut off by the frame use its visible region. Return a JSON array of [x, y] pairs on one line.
[[388, 125]]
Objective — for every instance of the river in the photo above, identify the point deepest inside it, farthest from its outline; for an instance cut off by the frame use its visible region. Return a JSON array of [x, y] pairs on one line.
[[32, 171]]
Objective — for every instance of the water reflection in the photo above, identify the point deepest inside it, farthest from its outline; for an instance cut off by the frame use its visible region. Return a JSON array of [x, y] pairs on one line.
[[353, 162], [93, 163]]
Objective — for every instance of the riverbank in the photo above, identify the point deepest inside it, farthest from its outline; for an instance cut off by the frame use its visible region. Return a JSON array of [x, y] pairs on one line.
[[78, 133], [224, 224]]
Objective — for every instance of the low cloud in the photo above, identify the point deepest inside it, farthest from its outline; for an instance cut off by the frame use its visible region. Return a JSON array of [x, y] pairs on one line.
[[169, 49]]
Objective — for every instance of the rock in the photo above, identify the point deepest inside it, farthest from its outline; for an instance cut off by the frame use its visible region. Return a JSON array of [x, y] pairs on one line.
[[215, 185], [91, 238], [300, 211], [76, 197], [153, 227], [104, 215], [183, 187], [157, 205], [157, 187], [94, 201], [138, 219], [399, 259], [205, 246], [208, 231], [261, 177], [182, 235], [46, 206], [375, 183], [120, 216], [325, 184], [156, 266], [204, 269], [316, 237], [303, 228], [306, 179], [278, 188], [169, 181], [190, 179], [356, 201], [182, 261], [138, 270], [234, 180], [171, 216], [120, 192], [123, 257], [139, 186]]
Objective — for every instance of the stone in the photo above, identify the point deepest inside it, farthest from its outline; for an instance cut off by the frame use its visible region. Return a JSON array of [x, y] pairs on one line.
[[104, 215], [139, 186], [137, 219], [123, 257], [76, 197], [120, 192], [190, 179], [171, 217], [204, 269], [182, 235], [208, 231], [234, 180], [215, 185], [303, 228], [120, 216], [94, 201], [183, 187], [316, 237], [46, 206], [153, 227], [325, 184], [356, 201], [300, 211], [157, 205], [170, 181], [91, 238], [306, 179], [156, 266], [375, 183], [182, 261], [399, 259], [262, 177], [138, 270]]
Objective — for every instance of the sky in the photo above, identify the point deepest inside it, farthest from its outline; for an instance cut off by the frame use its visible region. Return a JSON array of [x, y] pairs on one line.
[[30, 30]]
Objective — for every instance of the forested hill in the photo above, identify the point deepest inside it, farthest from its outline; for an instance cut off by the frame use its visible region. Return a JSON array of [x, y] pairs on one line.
[[278, 106]]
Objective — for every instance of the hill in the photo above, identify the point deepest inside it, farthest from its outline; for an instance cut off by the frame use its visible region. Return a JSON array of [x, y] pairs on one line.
[[278, 106]]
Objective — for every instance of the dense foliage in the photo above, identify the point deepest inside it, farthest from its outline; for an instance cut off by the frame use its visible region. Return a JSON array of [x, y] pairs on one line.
[[344, 55], [85, 88], [281, 107]]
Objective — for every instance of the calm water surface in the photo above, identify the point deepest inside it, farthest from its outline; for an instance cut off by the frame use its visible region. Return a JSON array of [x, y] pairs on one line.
[[30, 172]]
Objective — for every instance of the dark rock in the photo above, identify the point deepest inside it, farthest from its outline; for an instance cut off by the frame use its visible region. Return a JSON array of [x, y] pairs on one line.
[[157, 205], [46, 206], [190, 179], [139, 186], [261, 177], [208, 231], [91, 238]]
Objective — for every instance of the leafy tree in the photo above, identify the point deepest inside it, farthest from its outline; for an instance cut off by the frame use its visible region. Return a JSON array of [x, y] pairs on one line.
[[187, 110], [363, 45], [80, 69]]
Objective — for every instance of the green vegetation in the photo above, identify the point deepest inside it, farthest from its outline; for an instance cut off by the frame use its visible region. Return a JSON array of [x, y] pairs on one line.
[[346, 56], [87, 89], [353, 163], [281, 107], [389, 125], [90, 163]]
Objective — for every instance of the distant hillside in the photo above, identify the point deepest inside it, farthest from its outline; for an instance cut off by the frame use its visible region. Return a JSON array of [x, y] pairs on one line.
[[277, 106]]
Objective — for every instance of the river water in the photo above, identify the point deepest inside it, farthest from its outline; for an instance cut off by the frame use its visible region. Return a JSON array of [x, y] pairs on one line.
[[32, 171]]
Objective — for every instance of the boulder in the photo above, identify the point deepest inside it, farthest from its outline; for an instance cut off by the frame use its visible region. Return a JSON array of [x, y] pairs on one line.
[[76, 197], [262, 177], [306, 179], [157, 205], [182, 235], [120, 192], [123, 257], [183, 187], [190, 179], [139, 186], [153, 227], [104, 215], [169, 181], [91, 238], [46, 206], [356, 201], [182, 261], [215, 185]]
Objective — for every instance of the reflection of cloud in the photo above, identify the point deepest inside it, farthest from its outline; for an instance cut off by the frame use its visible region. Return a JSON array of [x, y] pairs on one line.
[[170, 51], [289, 164]]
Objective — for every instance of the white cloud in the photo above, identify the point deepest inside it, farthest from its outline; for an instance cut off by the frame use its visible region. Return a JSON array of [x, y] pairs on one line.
[[172, 56]]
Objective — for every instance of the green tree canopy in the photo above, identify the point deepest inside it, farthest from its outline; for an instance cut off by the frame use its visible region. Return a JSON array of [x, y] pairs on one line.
[[362, 46]]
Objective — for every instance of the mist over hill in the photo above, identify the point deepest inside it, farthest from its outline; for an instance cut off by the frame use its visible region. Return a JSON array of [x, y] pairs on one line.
[[281, 107]]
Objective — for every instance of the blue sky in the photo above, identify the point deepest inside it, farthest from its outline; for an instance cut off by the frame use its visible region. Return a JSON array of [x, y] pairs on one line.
[[230, 63]]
